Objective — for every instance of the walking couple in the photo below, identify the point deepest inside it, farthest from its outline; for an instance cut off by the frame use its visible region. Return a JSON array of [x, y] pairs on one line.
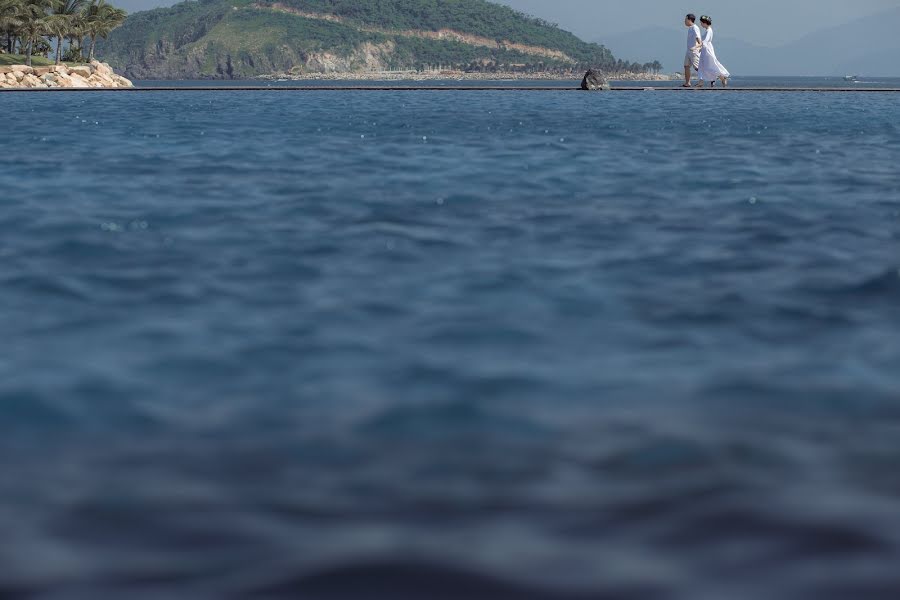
[[701, 54]]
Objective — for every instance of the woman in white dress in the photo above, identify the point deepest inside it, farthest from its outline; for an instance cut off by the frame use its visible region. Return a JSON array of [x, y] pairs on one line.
[[710, 67]]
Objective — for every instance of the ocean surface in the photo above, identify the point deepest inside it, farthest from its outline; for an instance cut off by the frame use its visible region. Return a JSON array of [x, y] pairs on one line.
[[736, 81], [473, 344]]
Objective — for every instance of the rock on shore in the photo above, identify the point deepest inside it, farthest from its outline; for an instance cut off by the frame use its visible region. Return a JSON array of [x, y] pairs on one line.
[[595, 80], [93, 75]]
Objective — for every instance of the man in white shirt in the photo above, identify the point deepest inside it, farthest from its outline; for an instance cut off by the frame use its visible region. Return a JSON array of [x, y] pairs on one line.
[[694, 43]]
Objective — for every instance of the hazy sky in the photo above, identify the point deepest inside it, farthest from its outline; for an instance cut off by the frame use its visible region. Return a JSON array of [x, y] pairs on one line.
[[764, 22]]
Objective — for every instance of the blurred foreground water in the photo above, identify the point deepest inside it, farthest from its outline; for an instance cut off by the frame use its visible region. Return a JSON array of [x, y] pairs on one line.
[[446, 345]]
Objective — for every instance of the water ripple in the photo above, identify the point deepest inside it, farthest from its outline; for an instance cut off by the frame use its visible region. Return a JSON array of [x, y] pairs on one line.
[[523, 345]]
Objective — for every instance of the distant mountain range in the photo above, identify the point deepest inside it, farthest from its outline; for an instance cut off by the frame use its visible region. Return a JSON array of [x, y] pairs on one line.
[[866, 47]]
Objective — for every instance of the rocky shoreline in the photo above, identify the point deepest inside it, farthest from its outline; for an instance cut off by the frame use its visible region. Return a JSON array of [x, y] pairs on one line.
[[92, 75], [451, 75]]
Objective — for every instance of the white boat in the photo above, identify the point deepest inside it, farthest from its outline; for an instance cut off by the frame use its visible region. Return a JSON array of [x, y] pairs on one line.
[[851, 78]]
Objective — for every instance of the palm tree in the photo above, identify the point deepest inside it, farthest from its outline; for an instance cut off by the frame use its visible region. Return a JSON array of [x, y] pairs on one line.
[[34, 23], [10, 19], [101, 19], [78, 31], [57, 26], [62, 21]]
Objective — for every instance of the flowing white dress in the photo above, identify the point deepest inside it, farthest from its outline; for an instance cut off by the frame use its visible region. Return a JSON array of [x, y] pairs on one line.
[[710, 67]]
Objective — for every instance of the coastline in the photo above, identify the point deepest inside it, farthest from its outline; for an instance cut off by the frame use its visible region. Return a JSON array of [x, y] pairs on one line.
[[453, 75]]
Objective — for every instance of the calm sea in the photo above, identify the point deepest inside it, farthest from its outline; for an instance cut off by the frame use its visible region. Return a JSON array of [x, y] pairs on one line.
[[450, 345], [736, 81]]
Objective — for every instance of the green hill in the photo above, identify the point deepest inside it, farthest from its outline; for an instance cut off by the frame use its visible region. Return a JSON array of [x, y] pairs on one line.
[[233, 39]]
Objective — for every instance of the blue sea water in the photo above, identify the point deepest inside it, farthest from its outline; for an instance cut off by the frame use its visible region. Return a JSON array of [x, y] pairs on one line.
[[450, 345], [736, 81]]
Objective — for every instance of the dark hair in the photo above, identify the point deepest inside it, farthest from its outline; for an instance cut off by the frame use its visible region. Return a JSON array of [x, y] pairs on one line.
[[705, 19], [691, 17]]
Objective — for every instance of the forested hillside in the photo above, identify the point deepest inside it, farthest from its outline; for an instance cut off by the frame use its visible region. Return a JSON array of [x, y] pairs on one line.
[[247, 38]]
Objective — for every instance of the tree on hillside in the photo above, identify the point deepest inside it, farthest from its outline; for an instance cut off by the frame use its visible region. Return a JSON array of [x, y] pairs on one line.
[[101, 19]]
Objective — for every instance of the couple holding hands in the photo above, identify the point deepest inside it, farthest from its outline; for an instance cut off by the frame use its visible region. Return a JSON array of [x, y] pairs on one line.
[[701, 54]]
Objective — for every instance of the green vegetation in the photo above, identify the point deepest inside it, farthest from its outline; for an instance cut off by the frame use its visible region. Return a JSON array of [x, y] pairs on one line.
[[485, 19], [26, 26], [19, 59], [246, 38]]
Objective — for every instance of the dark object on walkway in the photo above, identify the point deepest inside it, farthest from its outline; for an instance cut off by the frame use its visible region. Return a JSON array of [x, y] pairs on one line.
[[594, 80]]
